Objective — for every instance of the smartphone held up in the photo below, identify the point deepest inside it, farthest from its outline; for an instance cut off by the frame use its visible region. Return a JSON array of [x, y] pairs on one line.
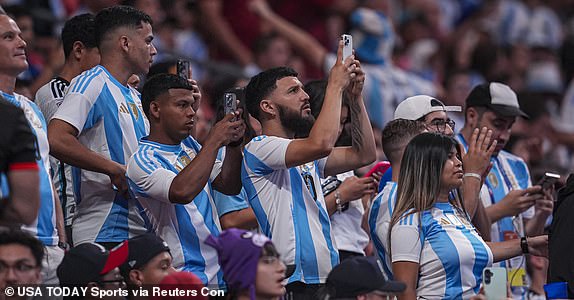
[[347, 45], [184, 69], [229, 103]]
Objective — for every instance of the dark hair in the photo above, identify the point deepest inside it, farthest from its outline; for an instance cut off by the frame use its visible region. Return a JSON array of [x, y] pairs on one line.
[[111, 18], [261, 85], [17, 236], [396, 135], [80, 28], [160, 84], [263, 42], [16, 11]]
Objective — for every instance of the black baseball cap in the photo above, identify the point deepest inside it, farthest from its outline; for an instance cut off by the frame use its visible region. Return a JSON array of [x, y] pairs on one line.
[[359, 275], [497, 97], [87, 262], [142, 249]]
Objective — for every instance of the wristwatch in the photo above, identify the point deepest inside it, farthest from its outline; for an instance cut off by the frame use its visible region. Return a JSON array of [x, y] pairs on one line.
[[63, 245], [524, 245]]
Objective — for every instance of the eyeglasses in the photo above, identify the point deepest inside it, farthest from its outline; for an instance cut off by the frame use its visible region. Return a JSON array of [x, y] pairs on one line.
[[20, 268], [440, 125]]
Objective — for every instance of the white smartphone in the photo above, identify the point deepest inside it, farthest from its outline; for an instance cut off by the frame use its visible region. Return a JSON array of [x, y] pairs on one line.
[[347, 45], [494, 283]]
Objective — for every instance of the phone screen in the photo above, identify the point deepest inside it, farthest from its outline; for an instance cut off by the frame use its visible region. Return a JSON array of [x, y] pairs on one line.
[[184, 69]]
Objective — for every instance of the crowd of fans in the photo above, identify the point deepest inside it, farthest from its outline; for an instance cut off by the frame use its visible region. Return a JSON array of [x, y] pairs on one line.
[[119, 173]]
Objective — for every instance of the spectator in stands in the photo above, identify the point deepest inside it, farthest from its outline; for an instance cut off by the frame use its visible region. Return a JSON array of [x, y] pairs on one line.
[[81, 52], [173, 176], [20, 259], [49, 226], [281, 174], [430, 232], [18, 164], [99, 124], [251, 265], [516, 208]]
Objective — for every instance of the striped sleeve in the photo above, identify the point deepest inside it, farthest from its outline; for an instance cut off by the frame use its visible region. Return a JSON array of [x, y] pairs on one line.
[[148, 178], [406, 242]]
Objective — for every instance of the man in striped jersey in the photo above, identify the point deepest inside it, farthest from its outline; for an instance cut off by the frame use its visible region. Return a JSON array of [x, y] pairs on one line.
[[48, 226], [281, 174], [81, 52], [97, 128], [173, 176]]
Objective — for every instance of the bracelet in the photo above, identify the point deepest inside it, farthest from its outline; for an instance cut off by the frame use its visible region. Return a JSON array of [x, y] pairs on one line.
[[338, 201], [524, 245], [474, 175]]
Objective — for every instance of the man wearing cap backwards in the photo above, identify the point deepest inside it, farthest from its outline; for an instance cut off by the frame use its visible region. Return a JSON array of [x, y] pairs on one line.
[[91, 265], [148, 262], [360, 278], [516, 208]]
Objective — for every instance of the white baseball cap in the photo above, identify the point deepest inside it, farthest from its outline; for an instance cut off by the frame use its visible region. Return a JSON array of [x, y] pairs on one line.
[[416, 107]]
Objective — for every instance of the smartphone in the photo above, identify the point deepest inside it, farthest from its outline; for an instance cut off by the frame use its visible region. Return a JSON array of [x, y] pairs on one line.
[[230, 103], [549, 180], [381, 167], [184, 69], [494, 283], [347, 45]]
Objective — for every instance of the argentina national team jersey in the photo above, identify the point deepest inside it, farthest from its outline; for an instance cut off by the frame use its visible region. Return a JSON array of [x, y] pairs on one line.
[[283, 202], [379, 221], [184, 227], [44, 227], [110, 121], [450, 252]]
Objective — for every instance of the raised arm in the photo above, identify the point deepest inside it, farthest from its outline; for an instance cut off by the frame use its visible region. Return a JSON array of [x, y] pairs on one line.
[[188, 183], [325, 131], [304, 43], [363, 150]]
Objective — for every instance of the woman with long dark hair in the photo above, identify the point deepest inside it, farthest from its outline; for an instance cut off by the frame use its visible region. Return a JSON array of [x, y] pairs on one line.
[[435, 249]]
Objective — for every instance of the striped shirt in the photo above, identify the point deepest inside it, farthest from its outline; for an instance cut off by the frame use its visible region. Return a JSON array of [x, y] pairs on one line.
[[110, 121], [184, 227], [49, 97], [290, 208], [450, 252], [379, 221], [44, 227]]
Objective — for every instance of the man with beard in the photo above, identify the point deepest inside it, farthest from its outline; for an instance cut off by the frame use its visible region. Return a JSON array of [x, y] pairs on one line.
[[281, 174]]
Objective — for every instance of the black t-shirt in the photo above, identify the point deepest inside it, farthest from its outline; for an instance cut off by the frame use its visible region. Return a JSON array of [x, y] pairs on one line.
[[17, 142]]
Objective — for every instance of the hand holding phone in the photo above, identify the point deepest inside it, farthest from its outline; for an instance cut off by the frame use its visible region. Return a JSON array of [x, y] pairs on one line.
[[184, 69], [380, 168], [230, 103], [347, 45], [548, 180]]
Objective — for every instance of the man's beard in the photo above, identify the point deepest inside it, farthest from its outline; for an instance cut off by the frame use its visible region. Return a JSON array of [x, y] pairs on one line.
[[293, 121]]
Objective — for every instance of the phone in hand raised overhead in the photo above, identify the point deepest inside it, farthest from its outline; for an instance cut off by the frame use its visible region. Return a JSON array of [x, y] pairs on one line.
[[347, 45]]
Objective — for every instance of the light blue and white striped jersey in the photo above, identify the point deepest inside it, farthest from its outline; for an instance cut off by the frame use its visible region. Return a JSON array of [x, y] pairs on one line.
[[44, 227], [48, 98], [184, 227], [228, 203], [450, 252], [110, 121], [286, 209], [379, 221]]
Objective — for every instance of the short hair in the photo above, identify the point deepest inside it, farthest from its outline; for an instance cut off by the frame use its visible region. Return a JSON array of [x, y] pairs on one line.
[[80, 28], [261, 85], [111, 18], [397, 134], [17, 236], [160, 84]]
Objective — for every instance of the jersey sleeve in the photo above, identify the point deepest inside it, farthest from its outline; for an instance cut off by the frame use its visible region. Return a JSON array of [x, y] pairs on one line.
[[148, 179], [265, 154], [79, 111], [406, 242], [228, 203]]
